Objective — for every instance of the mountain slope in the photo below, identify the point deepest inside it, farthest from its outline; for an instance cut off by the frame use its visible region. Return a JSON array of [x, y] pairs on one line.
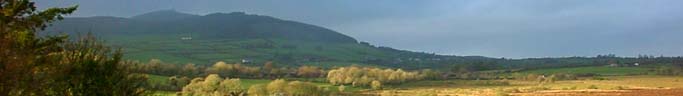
[[178, 37], [233, 37], [217, 25]]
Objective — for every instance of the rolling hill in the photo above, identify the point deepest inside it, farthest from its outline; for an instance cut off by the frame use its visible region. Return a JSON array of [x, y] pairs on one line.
[[250, 39], [235, 37]]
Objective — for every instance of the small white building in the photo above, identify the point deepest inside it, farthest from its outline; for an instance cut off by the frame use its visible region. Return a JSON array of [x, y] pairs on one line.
[[185, 38], [246, 61]]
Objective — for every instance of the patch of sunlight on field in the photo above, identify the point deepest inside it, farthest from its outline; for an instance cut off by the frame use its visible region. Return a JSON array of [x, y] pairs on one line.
[[644, 81], [516, 87]]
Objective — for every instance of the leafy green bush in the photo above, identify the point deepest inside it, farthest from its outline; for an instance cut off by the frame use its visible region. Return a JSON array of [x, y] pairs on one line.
[[36, 65]]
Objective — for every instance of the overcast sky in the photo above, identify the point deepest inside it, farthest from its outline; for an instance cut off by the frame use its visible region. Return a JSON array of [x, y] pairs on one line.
[[494, 28]]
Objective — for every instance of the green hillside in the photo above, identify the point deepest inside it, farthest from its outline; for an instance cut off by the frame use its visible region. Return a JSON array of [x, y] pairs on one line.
[[255, 50], [233, 37]]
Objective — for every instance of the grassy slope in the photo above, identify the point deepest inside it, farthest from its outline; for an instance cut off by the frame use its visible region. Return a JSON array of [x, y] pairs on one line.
[[208, 51]]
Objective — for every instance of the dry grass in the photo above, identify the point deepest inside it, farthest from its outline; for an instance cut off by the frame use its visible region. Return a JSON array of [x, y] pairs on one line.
[[615, 86]]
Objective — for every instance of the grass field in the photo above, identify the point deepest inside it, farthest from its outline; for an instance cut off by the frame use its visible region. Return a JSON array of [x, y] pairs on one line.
[[619, 80], [640, 85], [600, 70], [643, 85], [157, 79]]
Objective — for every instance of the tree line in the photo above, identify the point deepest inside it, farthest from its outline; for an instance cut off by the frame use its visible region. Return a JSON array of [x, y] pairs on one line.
[[180, 75], [268, 71], [366, 76], [353, 75], [215, 85]]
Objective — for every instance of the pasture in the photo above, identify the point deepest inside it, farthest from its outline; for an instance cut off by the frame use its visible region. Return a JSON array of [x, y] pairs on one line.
[[625, 85]]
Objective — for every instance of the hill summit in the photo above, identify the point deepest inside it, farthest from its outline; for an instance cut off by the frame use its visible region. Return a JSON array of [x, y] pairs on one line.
[[164, 15]]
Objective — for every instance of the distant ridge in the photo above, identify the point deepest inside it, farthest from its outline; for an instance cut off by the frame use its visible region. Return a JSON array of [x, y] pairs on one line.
[[215, 25], [164, 15], [233, 37]]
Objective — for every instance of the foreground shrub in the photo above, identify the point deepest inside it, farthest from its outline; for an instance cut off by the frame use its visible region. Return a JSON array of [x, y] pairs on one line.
[[213, 85], [257, 90], [280, 87], [376, 85], [35, 65]]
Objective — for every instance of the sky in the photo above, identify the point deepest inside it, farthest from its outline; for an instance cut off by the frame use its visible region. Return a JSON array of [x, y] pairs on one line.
[[493, 28]]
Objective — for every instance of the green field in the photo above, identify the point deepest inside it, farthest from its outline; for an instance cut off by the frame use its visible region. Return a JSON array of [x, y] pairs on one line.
[[595, 70], [157, 79]]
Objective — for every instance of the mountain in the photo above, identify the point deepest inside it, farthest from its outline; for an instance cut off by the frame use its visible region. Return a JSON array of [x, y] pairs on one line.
[[163, 15], [235, 37], [217, 25], [251, 39]]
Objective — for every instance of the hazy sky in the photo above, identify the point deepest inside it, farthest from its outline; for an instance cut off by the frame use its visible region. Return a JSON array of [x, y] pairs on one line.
[[495, 28]]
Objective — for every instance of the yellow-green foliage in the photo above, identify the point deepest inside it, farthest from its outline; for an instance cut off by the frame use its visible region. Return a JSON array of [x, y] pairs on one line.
[[277, 86], [376, 84], [213, 85], [341, 88], [257, 90], [232, 70], [280, 87], [230, 86], [309, 71], [358, 76]]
